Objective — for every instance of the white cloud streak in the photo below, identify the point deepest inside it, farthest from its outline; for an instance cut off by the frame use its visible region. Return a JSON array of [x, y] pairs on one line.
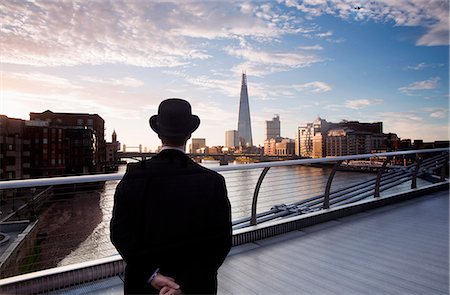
[[437, 113], [357, 104], [313, 87], [312, 47], [423, 65], [261, 63], [428, 84], [122, 82]]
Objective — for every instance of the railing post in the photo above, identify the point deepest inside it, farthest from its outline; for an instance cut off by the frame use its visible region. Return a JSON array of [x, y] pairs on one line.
[[416, 171], [326, 197], [255, 195], [376, 194], [442, 178], [33, 216]]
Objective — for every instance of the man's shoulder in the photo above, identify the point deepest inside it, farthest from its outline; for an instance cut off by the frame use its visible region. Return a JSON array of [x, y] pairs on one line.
[[207, 170], [160, 166]]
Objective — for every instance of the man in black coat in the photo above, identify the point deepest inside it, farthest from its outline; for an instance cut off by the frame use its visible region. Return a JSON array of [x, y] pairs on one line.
[[171, 219]]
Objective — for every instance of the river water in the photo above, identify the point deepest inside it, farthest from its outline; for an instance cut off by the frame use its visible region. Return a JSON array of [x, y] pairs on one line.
[[282, 185]]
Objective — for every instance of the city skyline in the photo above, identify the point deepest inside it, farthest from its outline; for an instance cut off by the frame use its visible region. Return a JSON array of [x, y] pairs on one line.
[[387, 61]]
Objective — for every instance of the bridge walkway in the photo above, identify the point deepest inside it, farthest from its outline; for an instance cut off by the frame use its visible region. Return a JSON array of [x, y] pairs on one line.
[[397, 249]]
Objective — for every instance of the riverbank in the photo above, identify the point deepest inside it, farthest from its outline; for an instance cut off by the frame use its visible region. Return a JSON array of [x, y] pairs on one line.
[[63, 226]]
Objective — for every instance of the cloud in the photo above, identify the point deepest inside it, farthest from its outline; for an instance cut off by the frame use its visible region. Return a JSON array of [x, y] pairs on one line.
[[138, 33], [231, 87], [314, 87], [418, 67], [432, 15], [313, 47], [123, 82], [362, 103], [438, 113], [333, 107], [39, 91], [414, 125], [422, 65], [429, 84], [261, 63], [325, 35]]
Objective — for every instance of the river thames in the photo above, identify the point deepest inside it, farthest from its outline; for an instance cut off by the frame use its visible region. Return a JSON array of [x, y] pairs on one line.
[[282, 185]]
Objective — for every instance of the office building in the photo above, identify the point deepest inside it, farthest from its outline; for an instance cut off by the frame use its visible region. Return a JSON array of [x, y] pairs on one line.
[[244, 122], [231, 138], [197, 144], [272, 128], [48, 148], [308, 134], [345, 142], [326, 139]]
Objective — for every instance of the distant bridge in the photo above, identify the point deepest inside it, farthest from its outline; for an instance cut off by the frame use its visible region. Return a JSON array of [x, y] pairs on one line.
[[222, 158]]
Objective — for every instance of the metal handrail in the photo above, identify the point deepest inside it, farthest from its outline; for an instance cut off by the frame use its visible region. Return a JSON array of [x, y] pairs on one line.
[[255, 195], [10, 184], [326, 197], [416, 171], [376, 194]]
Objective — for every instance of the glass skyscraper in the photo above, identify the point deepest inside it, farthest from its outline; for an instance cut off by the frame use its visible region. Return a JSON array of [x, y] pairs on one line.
[[244, 123]]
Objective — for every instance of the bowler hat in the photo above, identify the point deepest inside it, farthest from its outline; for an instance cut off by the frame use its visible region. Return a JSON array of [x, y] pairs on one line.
[[174, 118]]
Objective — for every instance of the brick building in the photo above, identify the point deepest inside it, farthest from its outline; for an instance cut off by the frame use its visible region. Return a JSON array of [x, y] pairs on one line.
[[85, 150]]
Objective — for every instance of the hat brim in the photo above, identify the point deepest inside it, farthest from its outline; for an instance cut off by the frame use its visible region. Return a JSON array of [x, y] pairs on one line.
[[184, 130]]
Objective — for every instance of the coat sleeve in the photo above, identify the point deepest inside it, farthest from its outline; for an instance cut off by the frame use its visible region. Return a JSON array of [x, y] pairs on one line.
[[221, 213]]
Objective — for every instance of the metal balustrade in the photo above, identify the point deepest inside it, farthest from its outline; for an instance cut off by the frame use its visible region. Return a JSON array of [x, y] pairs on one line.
[[267, 199]]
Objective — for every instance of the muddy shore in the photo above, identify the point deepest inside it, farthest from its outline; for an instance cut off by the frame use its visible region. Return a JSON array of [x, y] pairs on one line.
[[64, 225]]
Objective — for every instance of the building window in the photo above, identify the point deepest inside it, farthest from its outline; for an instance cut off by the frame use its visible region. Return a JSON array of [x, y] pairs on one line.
[[10, 160], [10, 147], [80, 122], [90, 122], [45, 141]]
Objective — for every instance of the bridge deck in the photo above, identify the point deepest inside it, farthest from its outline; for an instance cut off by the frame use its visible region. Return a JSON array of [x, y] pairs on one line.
[[399, 249]]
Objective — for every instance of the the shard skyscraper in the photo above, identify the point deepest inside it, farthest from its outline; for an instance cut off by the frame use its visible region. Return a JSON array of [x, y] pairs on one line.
[[244, 123]]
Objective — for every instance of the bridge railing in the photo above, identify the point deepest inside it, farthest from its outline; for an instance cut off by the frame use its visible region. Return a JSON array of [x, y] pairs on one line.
[[68, 217]]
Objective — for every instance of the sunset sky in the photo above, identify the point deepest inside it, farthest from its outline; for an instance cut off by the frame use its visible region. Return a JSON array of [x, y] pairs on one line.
[[355, 60]]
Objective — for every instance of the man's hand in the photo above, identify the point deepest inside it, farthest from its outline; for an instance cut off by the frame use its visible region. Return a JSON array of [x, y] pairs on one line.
[[160, 281], [170, 291]]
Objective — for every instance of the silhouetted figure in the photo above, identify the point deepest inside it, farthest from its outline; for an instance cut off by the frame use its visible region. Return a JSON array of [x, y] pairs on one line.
[[171, 220]]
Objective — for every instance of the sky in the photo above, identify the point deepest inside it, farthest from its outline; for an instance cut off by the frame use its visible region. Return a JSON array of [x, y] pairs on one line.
[[370, 61]]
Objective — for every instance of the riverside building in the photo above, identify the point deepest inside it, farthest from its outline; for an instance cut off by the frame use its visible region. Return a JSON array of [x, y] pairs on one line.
[[272, 128], [326, 139], [231, 139], [197, 144]]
